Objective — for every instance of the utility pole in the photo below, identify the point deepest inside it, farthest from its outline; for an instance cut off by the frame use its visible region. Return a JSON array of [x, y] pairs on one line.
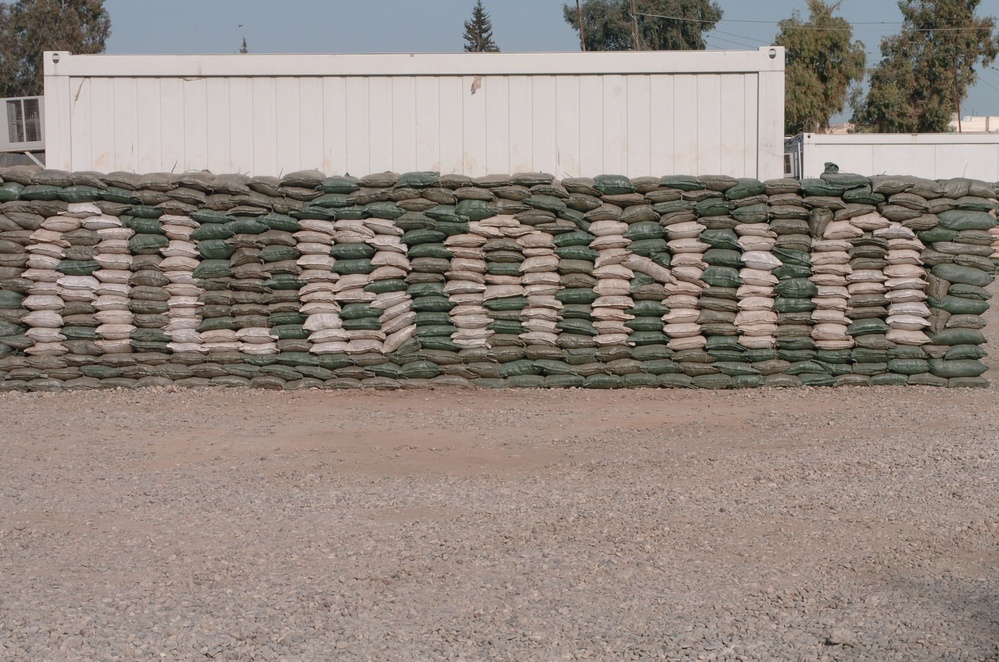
[[582, 33], [634, 24]]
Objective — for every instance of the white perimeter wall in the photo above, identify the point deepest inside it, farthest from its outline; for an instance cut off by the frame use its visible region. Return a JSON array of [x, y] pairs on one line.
[[930, 155], [569, 114]]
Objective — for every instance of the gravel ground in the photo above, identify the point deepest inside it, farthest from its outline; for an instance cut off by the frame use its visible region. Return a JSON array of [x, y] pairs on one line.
[[811, 524]]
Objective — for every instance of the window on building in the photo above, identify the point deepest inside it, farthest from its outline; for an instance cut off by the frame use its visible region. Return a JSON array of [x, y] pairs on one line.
[[24, 120]]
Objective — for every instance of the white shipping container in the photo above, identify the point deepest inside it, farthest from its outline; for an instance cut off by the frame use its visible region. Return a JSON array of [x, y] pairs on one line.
[[569, 114], [930, 155]]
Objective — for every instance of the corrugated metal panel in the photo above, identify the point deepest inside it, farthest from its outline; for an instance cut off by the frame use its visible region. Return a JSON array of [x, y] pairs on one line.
[[568, 114]]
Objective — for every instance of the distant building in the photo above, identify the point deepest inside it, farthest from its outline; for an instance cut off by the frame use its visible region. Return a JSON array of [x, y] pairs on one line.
[[974, 124]]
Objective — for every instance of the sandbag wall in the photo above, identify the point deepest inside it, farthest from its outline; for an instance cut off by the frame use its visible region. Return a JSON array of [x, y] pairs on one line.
[[392, 281]]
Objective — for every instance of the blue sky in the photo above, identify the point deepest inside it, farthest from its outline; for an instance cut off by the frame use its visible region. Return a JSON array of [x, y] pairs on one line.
[[435, 26]]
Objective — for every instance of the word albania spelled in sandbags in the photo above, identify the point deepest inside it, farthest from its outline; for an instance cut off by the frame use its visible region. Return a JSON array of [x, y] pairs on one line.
[[392, 280]]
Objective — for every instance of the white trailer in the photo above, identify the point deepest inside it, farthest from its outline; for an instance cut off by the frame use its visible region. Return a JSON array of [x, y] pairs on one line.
[[930, 155], [570, 114]]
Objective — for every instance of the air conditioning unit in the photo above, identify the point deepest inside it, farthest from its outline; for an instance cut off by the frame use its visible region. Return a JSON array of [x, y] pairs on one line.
[[25, 122]]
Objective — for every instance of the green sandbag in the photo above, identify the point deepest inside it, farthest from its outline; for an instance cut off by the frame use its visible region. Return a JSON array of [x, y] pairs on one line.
[[384, 209], [648, 338], [644, 230], [445, 213], [215, 249], [746, 188], [613, 184], [211, 216], [350, 311], [958, 352], [10, 191], [573, 295], [713, 207], [713, 381], [143, 225], [333, 201], [212, 231], [424, 179], [758, 213], [816, 379], [820, 187], [645, 324], [639, 380], [145, 211], [218, 324], [650, 248], [965, 275], [475, 210], [387, 285], [436, 304], [507, 327], [937, 234], [246, 225], [722, 239], [792, 257], [889, 379], [290, 332], [426, 290], [576, 238], [648, 309], [958, 219], [797, 288], [280, 222], [681, 182], [602, 382], [661, 367], [958, 337], [362, 324], [284, 282], [78, 267], [351, 267], [792, 271], [748, 381], [432, 319], [908, 366], [423, 236], [39, 192], [577, 253], [339, 185], [722, 257], [546, 203], [213, 269], [867, 326], [279, 253], [10, 300], [788, 305], [952, 369], [735, 368], [443, 344], [959, 305], [970, 292], [9, 328], [518, 368], [552, 367], [147, 244], [564, 381], [716, 276], [578, 326], [438, 251], [420, 370]]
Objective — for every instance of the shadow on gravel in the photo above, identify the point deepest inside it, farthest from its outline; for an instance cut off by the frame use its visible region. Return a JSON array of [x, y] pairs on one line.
[[969, 606]]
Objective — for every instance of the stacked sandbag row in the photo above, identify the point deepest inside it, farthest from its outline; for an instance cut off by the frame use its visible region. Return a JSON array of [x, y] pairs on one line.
[[399, 280], [958, 256]]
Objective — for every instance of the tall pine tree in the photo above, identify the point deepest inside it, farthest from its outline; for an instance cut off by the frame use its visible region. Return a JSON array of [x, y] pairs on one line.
[[479, 32]]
